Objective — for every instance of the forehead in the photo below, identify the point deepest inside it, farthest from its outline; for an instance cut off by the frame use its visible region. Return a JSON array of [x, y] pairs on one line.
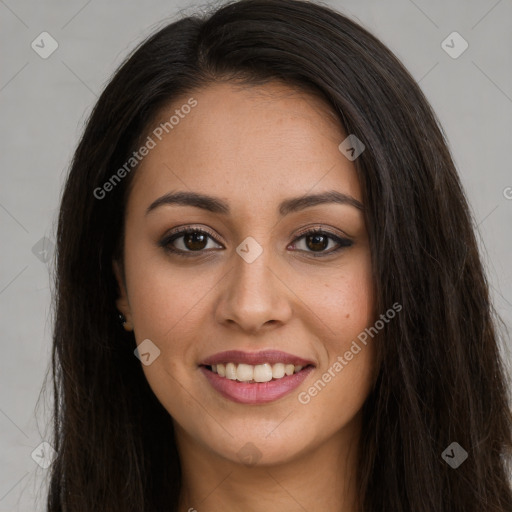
[[245, 142]]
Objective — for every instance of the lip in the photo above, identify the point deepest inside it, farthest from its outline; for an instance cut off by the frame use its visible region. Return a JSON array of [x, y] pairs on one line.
[[254, 358], [255, 393]]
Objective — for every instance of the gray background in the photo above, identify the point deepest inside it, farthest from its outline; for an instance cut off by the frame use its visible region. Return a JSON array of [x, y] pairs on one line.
[[44, 103]]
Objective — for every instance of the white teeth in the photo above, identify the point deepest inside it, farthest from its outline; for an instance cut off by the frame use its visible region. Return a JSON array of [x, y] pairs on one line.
[[231, 371], [278, 370], [244, 373], [262, 372], [255, 373]]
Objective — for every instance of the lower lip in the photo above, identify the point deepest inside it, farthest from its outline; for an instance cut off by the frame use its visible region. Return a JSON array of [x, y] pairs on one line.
[[255, 393]]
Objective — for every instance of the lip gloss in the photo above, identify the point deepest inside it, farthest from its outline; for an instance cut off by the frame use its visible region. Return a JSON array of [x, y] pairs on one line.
[[258, 392]]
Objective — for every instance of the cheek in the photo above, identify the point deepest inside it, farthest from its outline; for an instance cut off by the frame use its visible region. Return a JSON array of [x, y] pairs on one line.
[[336, 396], [168, 307], [343, 302], [165, 298], [342, 383], [171, 305], [170, 302], [347, 306], [347, 309]]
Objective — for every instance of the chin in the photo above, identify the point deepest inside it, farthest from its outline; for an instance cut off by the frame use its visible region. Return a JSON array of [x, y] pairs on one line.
[[255, 447]]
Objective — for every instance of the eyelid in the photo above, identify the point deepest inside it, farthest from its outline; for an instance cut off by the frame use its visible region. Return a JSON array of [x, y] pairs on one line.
[[323, 229], [340, 239], [182, 230]]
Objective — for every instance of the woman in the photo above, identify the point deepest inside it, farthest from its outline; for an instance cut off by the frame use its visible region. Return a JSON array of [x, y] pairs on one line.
[[264, 198]]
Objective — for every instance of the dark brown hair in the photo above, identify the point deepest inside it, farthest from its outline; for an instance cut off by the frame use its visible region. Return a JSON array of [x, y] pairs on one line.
[[440, 377]]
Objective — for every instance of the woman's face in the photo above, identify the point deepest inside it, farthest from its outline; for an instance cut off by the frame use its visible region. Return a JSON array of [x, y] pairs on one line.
[[251, 279]]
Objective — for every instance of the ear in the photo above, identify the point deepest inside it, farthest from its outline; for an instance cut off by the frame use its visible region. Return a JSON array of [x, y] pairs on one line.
[[122, 301]]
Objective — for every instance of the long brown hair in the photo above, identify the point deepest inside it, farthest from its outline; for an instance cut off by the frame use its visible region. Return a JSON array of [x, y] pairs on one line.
[[440, 378]]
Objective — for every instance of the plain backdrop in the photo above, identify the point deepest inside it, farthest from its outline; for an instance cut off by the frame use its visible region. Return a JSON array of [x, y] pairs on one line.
[[45, 101]]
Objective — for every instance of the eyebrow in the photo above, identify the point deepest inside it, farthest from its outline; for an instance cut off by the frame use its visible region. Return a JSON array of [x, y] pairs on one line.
[[216, 205]]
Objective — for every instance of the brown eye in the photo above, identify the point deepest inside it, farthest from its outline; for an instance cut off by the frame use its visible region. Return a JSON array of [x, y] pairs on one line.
[[317, 242], [195, 241], [188, 241]]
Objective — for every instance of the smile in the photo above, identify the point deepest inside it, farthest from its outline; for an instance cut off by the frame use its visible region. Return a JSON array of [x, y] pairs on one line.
[[255, 373], [255, 377], [253, 392]]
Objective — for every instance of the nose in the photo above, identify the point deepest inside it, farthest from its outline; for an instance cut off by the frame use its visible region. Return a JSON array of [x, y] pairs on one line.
[[254, 296]]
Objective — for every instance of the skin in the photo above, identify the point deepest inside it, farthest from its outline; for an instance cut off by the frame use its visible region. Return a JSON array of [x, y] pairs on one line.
[[253, 147]]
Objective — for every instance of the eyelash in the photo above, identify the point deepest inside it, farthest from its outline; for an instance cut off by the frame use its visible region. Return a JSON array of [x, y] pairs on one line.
[[166, 242]]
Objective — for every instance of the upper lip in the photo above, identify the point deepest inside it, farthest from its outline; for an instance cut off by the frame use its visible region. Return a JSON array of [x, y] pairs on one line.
[[254, 358]]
